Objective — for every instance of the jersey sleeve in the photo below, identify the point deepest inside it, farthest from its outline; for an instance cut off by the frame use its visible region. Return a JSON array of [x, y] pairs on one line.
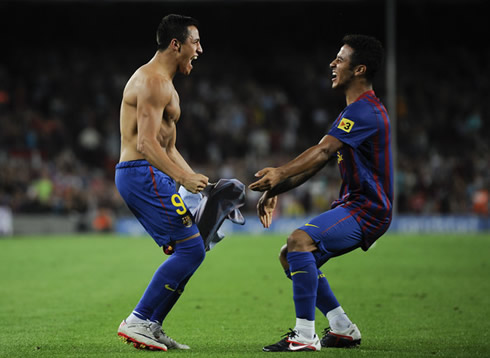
[[357, 123]]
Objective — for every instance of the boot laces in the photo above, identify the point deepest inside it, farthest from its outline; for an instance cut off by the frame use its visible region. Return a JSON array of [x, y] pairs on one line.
[[290, 334]]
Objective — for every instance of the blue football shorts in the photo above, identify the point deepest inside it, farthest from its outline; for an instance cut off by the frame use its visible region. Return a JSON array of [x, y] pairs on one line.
[[335, 232], [152, 197]]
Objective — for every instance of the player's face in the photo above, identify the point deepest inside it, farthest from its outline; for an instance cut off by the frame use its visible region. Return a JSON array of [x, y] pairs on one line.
[[342, 74], [190, 50]]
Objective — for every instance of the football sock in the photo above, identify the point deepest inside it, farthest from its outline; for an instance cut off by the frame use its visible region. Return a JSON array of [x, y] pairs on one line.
[[134, 317], [305, 283], [305, 327], [179, 266], [338, 320], [326, 300], [164, 307]]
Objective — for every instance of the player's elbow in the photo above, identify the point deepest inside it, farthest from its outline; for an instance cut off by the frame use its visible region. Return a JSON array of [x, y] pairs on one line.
[[144, 146], [140, 146], [327, 147], [325, 154]]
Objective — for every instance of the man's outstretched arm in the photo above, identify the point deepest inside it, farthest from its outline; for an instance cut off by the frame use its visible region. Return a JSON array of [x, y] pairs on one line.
[[297, 171]]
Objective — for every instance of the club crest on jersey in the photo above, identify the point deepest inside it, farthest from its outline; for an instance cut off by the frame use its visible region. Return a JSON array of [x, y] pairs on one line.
[[346, 125], [187, 221], [340, 157]]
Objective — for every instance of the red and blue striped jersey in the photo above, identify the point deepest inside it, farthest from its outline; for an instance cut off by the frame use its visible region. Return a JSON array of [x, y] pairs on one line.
[[365, 165]]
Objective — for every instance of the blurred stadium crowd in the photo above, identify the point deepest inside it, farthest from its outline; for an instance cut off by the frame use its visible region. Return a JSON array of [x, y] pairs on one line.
[[59, 138]]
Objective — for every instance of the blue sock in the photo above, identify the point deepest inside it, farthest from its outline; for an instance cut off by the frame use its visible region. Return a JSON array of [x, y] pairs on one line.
[[305, 283], [165, 283], [164, 308], [326, 300]]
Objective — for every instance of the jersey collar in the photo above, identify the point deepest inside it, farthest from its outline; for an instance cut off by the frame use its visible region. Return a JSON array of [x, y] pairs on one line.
[[365, 94]]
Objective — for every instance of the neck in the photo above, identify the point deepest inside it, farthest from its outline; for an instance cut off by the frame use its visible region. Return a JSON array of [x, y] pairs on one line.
[[165, 63], [353, 92]]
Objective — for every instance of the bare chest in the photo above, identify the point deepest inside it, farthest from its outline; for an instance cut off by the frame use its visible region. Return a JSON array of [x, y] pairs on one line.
[[172, 110]]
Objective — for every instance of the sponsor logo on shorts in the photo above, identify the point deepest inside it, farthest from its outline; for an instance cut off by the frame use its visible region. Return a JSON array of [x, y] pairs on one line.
[[311, 225]]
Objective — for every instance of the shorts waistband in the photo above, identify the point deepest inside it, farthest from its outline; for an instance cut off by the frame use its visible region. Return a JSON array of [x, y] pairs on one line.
[[133, 164]]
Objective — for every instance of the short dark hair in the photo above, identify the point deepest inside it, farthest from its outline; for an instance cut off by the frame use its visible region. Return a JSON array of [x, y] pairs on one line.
[[368, 51], [174, 27]]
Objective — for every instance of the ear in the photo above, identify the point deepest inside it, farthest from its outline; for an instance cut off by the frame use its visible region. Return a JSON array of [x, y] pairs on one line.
[[360, 70], [175, 45]]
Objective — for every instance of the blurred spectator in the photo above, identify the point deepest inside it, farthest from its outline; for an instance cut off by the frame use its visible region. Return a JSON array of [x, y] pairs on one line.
[[103, 220]]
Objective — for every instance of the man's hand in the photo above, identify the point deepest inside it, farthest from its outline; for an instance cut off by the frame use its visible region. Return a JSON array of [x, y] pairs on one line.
[[265, 209], [270, 178], [195, 183]]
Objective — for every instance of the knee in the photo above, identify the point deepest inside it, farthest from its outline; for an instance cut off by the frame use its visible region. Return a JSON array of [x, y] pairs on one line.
[[192, 251], [283, 258], [195, 257], [300, 241], [199, 252]]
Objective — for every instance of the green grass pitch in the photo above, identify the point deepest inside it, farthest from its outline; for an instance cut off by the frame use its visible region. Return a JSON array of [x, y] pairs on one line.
[[410, 295]]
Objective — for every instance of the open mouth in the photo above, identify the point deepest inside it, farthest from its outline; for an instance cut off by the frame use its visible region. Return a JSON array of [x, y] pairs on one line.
[[193, 58]]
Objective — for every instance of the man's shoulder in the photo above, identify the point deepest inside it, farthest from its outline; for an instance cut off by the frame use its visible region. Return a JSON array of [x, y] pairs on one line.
[[150, 76], [148, 82], [360, 110]]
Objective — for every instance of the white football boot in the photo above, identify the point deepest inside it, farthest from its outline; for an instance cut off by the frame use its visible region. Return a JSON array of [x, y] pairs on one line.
[[140, 335], [163, 338]]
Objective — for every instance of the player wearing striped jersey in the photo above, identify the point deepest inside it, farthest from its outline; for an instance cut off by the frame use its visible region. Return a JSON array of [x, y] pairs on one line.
[[360, 140]]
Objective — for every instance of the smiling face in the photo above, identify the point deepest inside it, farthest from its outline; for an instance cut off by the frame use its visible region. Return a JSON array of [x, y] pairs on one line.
[[189, 51], [342, 73]]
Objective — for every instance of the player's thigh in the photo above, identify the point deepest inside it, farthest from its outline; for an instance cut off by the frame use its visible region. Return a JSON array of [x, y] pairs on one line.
[[158, 207], [335, 231]]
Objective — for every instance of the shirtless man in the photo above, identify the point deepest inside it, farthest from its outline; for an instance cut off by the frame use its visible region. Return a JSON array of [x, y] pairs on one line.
[[146, 176]]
